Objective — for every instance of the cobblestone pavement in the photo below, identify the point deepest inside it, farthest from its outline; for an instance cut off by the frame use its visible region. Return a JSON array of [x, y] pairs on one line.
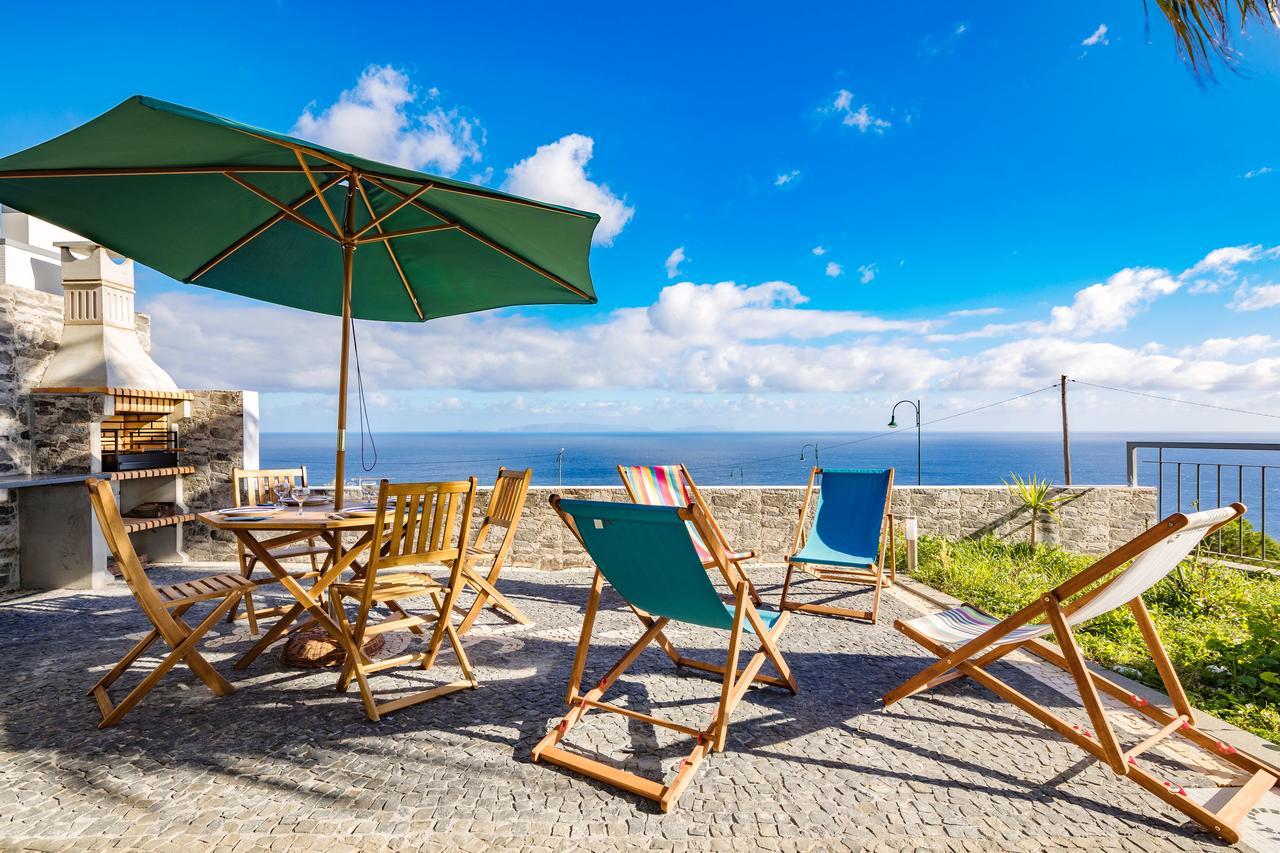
[[288, 763]]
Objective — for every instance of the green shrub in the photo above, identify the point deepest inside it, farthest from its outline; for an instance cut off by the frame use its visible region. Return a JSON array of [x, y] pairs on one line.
[[1220, 625]]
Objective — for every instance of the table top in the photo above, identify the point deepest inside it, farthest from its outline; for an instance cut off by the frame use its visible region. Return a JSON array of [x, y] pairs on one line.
[[317, 517]]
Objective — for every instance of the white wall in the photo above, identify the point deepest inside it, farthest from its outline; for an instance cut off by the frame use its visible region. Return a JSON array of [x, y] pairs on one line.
[[27, 254]]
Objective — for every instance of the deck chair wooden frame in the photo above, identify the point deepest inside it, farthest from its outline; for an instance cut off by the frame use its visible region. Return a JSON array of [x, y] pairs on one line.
[[506, 506], [873, 574], [734, 680], [252, 487], [1073, 602], [164, 608], [691, 495], [417, 524]]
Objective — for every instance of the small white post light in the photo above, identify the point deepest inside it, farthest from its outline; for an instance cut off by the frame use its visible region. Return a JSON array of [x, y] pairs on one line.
[[911, 532]]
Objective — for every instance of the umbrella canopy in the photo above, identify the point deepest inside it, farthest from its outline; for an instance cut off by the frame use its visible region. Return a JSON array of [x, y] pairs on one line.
[[213, 202]]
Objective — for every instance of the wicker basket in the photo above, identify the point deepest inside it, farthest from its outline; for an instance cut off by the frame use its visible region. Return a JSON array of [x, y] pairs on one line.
[[315, 648]]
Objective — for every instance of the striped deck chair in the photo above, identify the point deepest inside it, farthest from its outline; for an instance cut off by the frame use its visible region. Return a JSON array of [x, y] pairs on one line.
[[967, 640], [648, 556], [845, 543], [672, 485]]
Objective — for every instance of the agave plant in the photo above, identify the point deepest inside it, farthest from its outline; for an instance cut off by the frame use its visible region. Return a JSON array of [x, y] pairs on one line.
[[1202, 29], [1035, 496]]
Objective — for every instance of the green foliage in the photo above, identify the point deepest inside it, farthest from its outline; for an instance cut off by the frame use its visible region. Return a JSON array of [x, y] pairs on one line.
[[1240, 541], [1035, 496], [1221, 626]]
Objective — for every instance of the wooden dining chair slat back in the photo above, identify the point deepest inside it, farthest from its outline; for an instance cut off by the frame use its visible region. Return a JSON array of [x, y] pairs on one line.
[[417, 524], [506, 506], [163, 608], [256, 487]]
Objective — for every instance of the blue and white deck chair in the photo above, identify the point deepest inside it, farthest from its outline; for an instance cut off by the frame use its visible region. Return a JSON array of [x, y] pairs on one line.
[[647, 555], [845, 543]]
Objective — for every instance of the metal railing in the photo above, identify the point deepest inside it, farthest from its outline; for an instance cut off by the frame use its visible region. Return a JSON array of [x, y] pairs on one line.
[[1215, 474]]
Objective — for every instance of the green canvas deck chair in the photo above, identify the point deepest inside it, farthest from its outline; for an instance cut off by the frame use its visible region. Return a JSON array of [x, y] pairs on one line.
[[845, 542], [967, 640], [647, 555], [672, 485]]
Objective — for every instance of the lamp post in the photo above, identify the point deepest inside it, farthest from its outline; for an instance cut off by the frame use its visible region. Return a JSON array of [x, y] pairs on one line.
[[816, 462], [893, 424]]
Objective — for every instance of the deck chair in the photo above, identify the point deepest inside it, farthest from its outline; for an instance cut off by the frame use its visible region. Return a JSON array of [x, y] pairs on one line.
[[255, 487], [672, 485], [506, 505], [648, 555], [846, 541], [967, 640], [418, 524], [164, 608]]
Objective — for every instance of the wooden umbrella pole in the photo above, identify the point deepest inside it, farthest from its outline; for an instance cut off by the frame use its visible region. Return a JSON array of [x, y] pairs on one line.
[[348, 261]]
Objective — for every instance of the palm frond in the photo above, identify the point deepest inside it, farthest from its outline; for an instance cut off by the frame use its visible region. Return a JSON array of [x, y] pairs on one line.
[[1203, 29]]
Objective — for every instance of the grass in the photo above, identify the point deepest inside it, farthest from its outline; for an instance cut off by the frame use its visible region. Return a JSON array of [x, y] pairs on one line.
[[1221, 626]]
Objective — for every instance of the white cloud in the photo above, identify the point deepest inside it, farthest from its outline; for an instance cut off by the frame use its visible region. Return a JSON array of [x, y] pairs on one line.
[[990, 330], [1256, 297], [1099, 37], [1220, 267], [557, 173], [674, 260], [1109, 305], [867, 273], [384, 118], [974, 312], [861, 118], [786, 177], [1220, 348], [834, 270], [819, 251], [1257, 173]]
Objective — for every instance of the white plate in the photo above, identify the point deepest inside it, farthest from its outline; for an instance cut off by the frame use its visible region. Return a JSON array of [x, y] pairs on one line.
[[250, 510]]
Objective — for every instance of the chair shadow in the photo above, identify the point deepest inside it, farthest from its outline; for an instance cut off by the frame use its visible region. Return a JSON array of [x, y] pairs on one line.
[[287, 715]]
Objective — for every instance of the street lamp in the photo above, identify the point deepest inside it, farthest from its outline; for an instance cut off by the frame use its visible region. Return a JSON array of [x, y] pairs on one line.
[[816, 462], [893, 424]]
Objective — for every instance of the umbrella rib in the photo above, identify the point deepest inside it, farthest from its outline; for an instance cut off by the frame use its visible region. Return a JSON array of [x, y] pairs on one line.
[[395, 262], [282, 207], [383, 236], [311, 179], [477, 236], [143, 171], [405, 202], [257, 232]]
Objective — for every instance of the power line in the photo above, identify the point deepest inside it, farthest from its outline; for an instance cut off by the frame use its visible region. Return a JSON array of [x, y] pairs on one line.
[[1177, 400]]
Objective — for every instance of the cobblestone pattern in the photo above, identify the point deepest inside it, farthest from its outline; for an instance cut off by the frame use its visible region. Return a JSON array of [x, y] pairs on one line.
[[764, 518], [213, 440], [286, 762]]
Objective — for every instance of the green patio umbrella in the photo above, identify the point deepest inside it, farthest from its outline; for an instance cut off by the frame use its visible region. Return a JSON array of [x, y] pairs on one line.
[[213, 202]]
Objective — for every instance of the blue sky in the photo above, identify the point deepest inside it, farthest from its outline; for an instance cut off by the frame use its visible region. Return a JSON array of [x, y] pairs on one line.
[[958, 159]]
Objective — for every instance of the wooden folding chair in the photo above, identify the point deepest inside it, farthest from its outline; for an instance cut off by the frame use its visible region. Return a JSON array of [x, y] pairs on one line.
[[672, 485], [506, 505], [846, 542], [967, 640], [648, 555], [164, 607], [417, 524], [252, 487]]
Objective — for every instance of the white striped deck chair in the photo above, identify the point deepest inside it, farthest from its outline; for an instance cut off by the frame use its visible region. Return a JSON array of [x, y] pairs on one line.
[[966, 640]]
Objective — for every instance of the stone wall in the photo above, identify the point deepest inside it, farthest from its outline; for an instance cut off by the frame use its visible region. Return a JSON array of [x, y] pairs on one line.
[[213, 439], [763, 518]]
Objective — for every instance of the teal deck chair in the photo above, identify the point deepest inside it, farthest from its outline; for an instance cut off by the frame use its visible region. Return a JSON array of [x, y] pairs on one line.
[[846, 540], [647, 554]]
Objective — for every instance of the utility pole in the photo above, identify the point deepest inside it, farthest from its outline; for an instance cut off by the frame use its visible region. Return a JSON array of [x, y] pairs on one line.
[[1066, 435]]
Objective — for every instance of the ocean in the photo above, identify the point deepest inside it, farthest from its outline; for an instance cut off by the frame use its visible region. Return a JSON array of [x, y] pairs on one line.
[[737, 458]]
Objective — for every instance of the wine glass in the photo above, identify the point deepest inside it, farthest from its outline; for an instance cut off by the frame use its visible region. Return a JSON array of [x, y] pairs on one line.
[[282, 490], [369, 491], [300, 494]]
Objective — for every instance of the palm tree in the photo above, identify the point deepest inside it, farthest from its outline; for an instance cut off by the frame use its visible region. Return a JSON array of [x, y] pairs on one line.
[[1202, 28], [1033, 494]]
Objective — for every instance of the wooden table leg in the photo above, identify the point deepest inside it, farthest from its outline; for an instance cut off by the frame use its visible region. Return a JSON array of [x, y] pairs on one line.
[[303, 596]]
